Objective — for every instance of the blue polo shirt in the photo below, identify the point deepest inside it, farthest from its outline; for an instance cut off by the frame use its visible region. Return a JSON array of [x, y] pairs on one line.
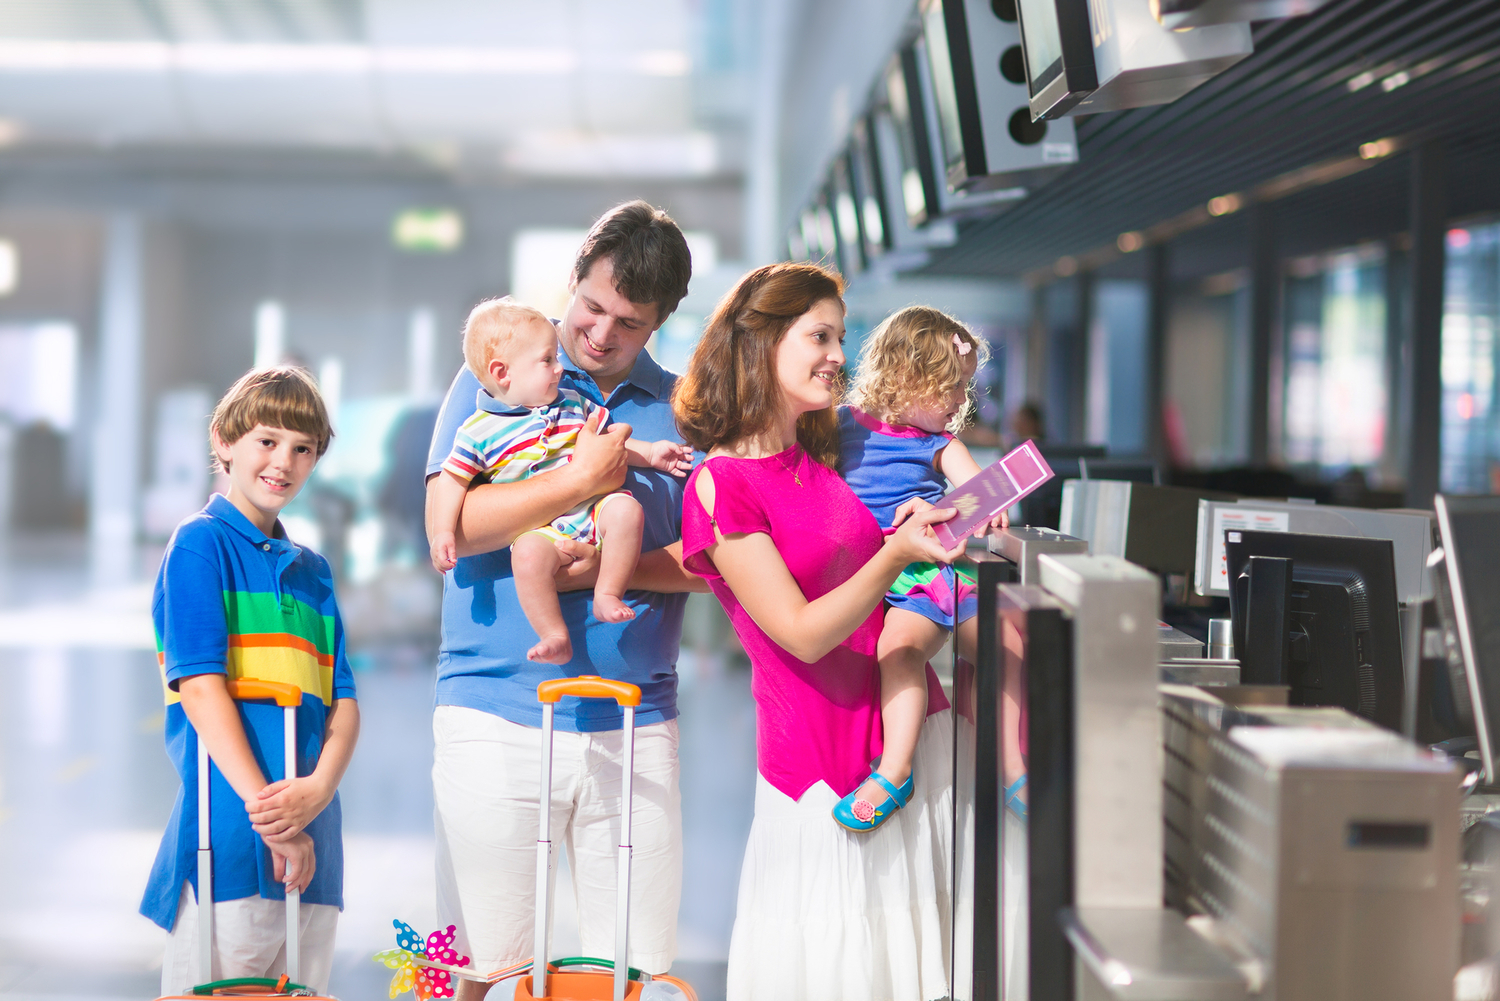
[[482, 662], [231, 600]]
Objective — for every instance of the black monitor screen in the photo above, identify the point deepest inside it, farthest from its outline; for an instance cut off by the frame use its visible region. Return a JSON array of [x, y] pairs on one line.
[[1042, 41], [909, 122], [944, 88], [1345, 641], [846, 221], [869, 187], [1470, 528]]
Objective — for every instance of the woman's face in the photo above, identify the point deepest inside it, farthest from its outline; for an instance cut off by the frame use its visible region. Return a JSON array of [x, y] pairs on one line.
[[809, 357]]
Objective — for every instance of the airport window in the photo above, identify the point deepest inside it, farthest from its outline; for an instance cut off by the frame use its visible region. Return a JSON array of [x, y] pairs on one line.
[[1335, 388], [1471, 314]]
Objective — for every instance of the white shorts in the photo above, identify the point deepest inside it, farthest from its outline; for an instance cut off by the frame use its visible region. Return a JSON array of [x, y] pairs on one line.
[[486, 777], [249, 941]]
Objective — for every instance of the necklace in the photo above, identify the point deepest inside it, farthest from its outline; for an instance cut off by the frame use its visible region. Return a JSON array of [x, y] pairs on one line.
[[793, 466]]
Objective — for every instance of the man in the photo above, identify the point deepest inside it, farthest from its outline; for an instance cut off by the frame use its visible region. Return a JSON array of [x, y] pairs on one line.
[[629, 275]]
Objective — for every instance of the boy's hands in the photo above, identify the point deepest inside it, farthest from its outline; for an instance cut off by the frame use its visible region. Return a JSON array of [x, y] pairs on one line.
[[444, 551], [670, 457], [281, 810], [293, 862]]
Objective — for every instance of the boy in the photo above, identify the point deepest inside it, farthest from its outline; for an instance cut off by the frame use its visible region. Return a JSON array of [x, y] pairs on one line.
[[525, 426], [236, 599]]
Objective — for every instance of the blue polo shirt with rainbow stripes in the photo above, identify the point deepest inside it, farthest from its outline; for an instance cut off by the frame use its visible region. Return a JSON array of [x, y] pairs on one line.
[[231, 600]]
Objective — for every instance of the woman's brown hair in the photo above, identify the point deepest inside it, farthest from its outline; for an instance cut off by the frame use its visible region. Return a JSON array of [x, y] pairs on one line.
[[731, 391]]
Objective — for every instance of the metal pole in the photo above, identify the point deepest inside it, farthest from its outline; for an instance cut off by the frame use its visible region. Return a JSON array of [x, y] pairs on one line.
[[1265, 293], [1429, 218], [293, 897], [622, 879], [543, 862], [205, 873], [1078, 388], [1158, 291]]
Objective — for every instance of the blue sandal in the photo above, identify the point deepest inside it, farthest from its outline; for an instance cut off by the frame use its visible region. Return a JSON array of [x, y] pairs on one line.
[[862, 815], [1013, 801]]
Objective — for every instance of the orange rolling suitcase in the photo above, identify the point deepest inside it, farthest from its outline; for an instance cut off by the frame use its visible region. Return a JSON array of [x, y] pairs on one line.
[[289, 697], [585, 978]]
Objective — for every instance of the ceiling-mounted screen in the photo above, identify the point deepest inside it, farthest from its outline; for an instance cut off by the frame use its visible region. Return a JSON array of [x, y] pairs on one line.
[[985, 134], [869, 187], [1180, 14], [908, 116], [1059, 53], [846, 222]]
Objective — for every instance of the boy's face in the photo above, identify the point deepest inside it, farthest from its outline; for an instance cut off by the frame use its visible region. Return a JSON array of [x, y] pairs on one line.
[[267, 466], [533, 368]]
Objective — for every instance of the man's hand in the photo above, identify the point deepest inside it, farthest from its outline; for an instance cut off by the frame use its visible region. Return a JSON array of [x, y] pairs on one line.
[[580, 569], [293, 862], [282, 809], [600, 458], [670, 457]]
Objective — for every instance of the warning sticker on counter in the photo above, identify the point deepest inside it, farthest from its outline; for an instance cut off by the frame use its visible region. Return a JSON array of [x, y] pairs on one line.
[[1228, 518]]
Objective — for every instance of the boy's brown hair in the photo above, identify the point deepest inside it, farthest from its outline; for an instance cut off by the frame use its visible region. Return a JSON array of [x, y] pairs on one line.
[[286, 396]]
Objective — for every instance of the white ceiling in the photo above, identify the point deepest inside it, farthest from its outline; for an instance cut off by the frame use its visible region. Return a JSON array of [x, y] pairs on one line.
[[550, 87]]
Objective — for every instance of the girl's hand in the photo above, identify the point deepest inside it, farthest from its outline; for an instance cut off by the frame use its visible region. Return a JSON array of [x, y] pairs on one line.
[[909, 508], [914, 542], [998, 523]]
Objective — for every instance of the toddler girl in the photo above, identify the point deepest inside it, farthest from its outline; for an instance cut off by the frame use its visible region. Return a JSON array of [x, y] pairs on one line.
[[910, 394]]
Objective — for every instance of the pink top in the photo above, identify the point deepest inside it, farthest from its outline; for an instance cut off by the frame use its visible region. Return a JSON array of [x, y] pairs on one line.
[[813, 721]]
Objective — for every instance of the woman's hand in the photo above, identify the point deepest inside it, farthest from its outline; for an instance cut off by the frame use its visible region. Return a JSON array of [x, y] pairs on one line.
[[914, 541], [909, 508]]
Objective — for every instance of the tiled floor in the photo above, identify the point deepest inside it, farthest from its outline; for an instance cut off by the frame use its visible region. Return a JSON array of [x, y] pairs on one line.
[[85, 789]]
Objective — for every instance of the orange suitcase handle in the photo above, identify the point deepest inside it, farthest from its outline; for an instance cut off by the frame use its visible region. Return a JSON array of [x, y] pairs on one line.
[[284, 694], [589, 686]]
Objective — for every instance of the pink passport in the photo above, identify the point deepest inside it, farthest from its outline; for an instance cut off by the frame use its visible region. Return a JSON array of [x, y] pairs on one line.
[[992, 490]]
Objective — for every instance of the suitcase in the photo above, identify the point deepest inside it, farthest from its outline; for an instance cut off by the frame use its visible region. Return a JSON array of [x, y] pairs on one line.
[[289, 697], [584, 978]]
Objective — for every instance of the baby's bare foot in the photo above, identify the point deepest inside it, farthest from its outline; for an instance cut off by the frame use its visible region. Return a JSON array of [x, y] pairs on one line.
[[557, 649], [608, 608]]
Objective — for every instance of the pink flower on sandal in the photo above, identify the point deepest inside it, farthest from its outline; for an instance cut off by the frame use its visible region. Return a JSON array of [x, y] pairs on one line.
[[864, 810]]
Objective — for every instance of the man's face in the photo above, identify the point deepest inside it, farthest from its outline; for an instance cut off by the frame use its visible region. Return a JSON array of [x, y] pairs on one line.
[[603, 331]]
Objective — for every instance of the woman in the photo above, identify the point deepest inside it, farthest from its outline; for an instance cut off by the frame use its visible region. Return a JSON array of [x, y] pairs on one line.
[[801, 567]]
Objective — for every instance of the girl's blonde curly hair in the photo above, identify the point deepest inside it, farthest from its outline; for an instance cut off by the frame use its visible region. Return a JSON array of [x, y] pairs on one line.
[[916, 357]]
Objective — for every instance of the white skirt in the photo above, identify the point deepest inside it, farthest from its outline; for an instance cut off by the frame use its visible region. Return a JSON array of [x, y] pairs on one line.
[[826, 914]]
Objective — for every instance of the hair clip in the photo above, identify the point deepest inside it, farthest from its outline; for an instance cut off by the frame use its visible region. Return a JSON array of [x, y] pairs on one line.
[[963, 346]]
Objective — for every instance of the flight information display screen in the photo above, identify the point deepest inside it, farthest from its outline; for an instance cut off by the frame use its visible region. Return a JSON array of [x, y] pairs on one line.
[[1042, 39]]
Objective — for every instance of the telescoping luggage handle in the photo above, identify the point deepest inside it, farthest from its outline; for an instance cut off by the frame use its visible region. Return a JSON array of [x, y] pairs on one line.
[[586, 686], [289, 697]]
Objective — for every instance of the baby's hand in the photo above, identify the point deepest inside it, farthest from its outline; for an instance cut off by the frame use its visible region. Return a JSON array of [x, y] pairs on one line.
[[670, 457], [444, 551]]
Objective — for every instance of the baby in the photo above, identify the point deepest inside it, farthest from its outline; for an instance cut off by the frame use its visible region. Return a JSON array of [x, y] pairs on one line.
[[523, 427]]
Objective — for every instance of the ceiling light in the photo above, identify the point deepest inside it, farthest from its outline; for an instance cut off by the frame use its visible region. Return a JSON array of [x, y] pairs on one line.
[[1360, 82], [1130, 242], [1395, 80], [1065, 267], [10, 131], [435, 230], [10, 267], [1225, 204], [1376, 150]]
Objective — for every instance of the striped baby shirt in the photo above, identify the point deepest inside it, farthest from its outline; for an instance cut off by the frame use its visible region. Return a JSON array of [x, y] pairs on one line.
[[231, 600], [501, 443]]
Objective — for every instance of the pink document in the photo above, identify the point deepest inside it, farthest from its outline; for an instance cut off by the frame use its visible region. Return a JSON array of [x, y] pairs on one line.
[[992, 490]]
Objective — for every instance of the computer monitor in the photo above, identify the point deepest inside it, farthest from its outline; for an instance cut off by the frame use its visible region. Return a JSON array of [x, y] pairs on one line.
[[1335, 623], [869, 187], [906, 110], [1469, 528], [1134, 470], [1059, 50], [846, 222]]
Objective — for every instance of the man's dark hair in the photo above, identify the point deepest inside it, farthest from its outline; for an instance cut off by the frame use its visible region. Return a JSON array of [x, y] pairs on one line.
[[648, 252]]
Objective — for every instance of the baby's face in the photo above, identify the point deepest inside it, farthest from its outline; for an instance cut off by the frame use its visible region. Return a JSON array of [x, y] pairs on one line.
[[533, 367]]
